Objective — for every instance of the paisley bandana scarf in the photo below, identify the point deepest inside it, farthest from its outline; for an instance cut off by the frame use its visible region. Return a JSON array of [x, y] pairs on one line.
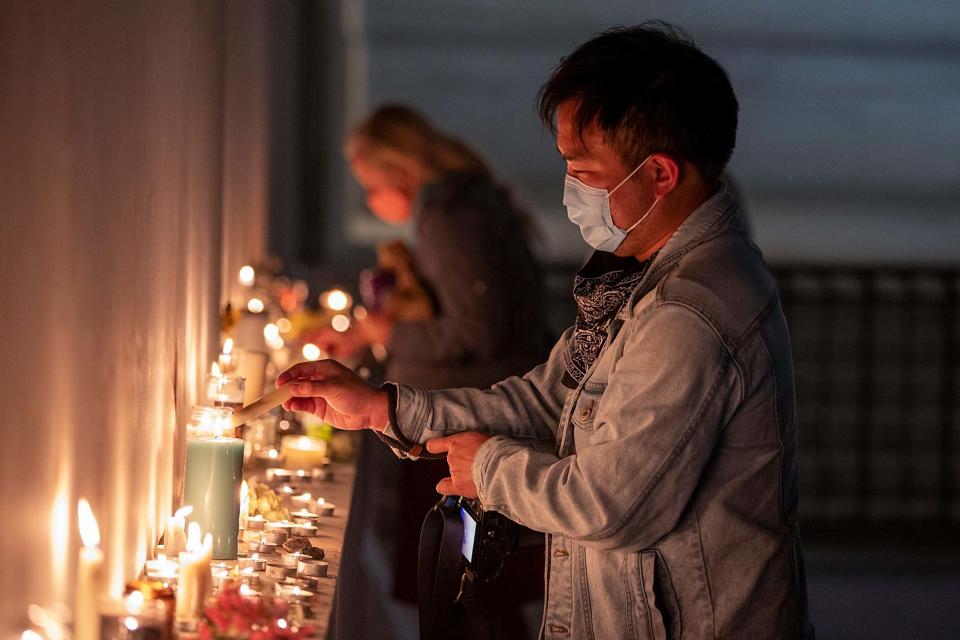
[[600, 288]]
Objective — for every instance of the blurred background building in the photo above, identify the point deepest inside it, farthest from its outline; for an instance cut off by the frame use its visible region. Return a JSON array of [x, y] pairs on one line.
[[149, 149]]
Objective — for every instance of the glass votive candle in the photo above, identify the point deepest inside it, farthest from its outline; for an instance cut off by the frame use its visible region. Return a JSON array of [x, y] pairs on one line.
[[224, 390]]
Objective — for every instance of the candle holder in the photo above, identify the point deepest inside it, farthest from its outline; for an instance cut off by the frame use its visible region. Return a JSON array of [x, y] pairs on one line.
[[312, 568], [324, 508], [279, 571], [305, 530], [256, 523], [275, 536], [222, 390], [303, 452]]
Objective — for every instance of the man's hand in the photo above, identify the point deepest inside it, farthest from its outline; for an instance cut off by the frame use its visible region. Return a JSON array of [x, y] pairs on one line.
[[336, 394], [461, 449]]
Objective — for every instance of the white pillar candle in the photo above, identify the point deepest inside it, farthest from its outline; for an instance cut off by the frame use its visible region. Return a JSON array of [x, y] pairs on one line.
[[89, 576], [175, 537], [195, 577]]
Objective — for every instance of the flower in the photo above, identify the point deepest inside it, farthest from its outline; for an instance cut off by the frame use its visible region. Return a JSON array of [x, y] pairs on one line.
[[231, 615]]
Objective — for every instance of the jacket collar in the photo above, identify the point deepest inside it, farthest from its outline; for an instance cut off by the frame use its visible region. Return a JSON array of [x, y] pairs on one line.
[[715, 214]]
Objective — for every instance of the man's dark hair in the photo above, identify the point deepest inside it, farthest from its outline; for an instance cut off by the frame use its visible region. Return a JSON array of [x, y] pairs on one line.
[[650, 90]]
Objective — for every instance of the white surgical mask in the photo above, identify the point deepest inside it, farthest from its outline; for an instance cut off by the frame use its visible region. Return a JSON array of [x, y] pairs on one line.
[[589, 208]]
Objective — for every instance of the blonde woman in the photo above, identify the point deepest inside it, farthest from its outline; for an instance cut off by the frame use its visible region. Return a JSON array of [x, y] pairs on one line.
[[472, 257]]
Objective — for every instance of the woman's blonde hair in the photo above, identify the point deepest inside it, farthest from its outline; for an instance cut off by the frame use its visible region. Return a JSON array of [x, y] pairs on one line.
[[393, 134]]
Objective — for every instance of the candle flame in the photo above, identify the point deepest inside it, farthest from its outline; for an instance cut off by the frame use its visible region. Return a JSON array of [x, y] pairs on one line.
[[255, 305], [336, 300], [208, 543], [340, 323], [311, 352], [296, 591], [281, 623], [227, 346], [134, 603], [30, 635], [320, 500], [89, 531], [183, 511], [247, 275], [215, 370]]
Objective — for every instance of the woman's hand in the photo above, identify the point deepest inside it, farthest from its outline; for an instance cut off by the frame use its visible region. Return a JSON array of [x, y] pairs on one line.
[[335, 394]]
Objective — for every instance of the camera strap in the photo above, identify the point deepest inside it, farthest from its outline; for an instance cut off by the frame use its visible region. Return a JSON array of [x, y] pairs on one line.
[[439, 570]]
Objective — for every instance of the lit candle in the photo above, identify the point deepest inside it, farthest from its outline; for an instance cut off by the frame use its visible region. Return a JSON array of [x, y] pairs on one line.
[[175, 537], [195, 576], [162, 569], [304, 452], [304, 517], [212, 477], [290, 559], [305, 530], [223, 390], [256, 523], [89, 576], [301, 500], [225, 359], [279, 571], [325, 508]]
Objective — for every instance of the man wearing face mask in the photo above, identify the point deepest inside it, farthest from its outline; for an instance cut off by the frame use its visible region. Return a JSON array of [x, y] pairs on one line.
[[656, 447]]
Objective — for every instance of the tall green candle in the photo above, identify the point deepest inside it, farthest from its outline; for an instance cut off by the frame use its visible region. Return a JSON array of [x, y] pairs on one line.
[[213, 474]]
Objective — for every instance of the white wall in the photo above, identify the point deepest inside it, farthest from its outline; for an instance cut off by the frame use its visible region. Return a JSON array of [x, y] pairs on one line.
[[112, 179]]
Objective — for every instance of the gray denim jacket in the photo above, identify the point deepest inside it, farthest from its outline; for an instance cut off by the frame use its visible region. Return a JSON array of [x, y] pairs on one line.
[[666, 482]]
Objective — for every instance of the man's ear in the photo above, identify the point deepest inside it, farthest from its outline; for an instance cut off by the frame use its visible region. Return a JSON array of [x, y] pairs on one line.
[[667, 174]]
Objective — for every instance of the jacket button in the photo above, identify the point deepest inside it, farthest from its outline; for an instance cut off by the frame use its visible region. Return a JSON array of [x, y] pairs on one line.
[[558, 628], [585, 412]]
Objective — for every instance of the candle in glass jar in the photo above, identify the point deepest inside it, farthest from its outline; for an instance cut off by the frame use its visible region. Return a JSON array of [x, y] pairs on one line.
[[223, 390], [89, 576], [212, 476], [303, 452]]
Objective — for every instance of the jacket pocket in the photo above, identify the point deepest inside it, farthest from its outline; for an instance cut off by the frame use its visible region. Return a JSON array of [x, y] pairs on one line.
[[656, 596], [585, 409]]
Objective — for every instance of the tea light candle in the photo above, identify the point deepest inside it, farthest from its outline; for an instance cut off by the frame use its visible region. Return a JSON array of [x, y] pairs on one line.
[[305, 530], [324, 508], [162, 569], [279, 475], [313, 568], [276, 536], [304, 517], [290, 559], [250, 577], [294, 593], [280, 525], [302, 500], [279, 571], [266, 549], [256, 523], [254, 563], [89, 576]]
